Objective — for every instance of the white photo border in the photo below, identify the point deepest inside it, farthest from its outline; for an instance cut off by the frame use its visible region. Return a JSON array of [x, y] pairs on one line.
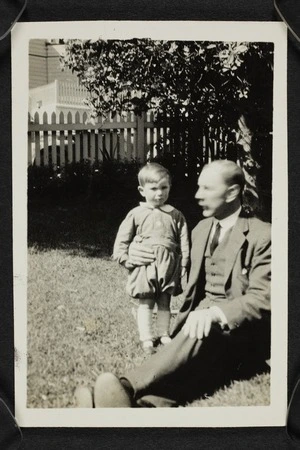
[[271, 415]]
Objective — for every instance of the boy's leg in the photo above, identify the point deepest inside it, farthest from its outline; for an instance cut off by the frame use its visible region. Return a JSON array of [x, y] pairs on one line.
[[144, 321], [163, 316]]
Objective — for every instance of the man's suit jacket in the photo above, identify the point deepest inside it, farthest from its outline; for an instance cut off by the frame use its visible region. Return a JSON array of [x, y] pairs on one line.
[[247, 273]]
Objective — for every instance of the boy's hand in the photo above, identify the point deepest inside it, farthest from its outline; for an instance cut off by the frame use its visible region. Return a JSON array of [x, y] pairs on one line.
[[183, 272], [139, 255]]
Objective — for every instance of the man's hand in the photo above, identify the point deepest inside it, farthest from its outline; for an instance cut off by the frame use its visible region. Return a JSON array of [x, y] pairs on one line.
[[139, 255], [198, 323]]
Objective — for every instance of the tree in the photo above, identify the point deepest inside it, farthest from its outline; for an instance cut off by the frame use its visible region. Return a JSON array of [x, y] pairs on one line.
[[191, 84]]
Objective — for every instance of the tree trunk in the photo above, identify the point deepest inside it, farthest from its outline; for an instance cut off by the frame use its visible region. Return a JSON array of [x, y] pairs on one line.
[[250, 167]]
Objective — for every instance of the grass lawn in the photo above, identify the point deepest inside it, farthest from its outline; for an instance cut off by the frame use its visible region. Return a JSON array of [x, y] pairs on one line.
[[79, 324], [79, 317]]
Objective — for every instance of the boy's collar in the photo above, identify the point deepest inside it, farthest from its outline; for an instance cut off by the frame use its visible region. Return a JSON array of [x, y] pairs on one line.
[[164, 208]]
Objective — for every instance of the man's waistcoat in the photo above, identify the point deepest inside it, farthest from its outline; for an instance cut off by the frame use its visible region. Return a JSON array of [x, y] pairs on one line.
[[215, 269]]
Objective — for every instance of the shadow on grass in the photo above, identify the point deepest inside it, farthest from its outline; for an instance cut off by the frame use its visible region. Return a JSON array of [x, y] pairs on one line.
[[252, 389], [79, 225], [87, 225], [244, 371]]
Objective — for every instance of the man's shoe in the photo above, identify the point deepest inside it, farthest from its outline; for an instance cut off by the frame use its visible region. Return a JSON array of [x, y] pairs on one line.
[[155, 401], [83, 397], [110, 393]]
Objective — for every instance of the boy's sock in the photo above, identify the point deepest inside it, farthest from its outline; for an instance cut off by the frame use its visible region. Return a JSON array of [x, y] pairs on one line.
[[144, 321], [163, 322]]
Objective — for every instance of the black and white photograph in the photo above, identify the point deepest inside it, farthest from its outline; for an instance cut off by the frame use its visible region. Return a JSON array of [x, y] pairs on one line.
[[150, 223]]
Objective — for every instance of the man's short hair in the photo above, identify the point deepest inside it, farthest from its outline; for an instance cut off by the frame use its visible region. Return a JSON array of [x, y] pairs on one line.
[[231, 172], [153, 173]]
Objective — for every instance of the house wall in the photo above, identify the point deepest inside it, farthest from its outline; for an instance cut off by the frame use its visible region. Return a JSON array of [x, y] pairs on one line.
[[43, 99], [53, 97], [38, 75], [52, 89], [44, 65], [54, 51]]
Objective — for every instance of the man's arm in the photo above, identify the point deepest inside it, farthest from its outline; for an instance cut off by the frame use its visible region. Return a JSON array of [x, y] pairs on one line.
[[139, 255]]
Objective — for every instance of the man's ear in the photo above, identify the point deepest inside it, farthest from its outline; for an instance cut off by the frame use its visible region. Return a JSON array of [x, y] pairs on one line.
[[233, 192], [141, 191]]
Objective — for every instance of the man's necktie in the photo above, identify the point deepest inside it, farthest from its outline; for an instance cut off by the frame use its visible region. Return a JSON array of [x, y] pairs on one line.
[[215, 240]]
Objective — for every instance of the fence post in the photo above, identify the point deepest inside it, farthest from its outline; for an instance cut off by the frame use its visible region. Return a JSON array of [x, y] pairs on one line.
[[29, 148], [37, 141], [45, 140], [140, 138], [61, 119]]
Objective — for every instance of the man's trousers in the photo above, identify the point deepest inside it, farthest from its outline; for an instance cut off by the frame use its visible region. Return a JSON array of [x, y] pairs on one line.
[[186, 368]]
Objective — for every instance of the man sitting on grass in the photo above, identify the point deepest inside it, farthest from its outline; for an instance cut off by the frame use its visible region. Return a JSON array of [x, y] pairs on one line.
[[225, 318]]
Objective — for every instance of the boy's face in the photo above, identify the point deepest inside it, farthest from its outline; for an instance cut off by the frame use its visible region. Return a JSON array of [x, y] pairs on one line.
[[156, 193]]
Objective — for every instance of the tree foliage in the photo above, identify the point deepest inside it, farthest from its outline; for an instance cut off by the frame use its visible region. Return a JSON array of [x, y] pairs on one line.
[[208, 81], [191, 84]]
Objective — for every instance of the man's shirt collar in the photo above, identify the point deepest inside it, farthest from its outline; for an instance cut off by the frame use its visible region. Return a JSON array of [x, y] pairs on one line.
[[229, 221]]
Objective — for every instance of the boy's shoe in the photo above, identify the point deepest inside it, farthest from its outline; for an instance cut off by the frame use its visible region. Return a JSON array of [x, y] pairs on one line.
[[109, 392], [164, 340], [83, 397], [148, 346]]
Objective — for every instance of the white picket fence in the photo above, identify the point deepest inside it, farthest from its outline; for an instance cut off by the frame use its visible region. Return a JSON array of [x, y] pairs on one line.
[[59, 140]]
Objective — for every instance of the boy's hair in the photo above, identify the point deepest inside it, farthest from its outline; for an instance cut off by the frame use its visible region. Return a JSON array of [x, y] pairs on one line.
[[152, 173]]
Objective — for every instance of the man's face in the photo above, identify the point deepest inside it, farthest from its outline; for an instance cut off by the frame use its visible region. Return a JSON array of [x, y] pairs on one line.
[[212, 193]]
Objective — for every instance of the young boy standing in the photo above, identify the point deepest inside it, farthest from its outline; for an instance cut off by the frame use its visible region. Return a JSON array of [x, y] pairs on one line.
[[163, 228]]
